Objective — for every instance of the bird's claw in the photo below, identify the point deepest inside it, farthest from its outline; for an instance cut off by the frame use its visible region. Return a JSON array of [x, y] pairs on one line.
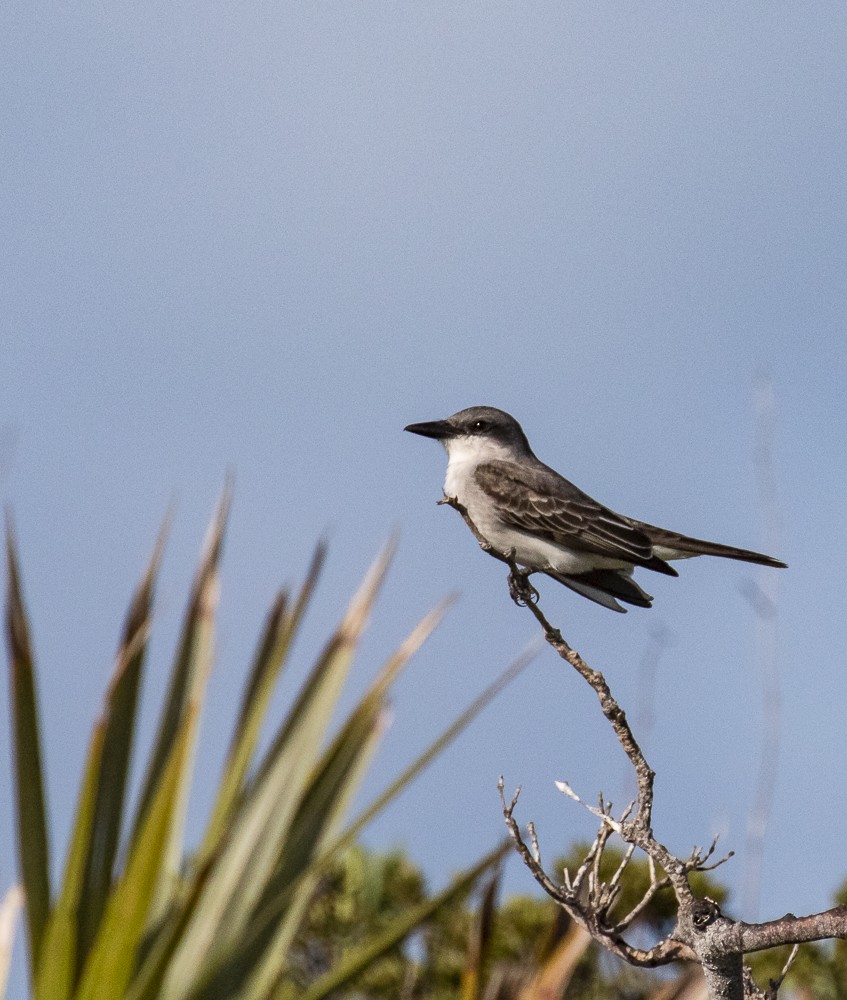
[[522, 592]]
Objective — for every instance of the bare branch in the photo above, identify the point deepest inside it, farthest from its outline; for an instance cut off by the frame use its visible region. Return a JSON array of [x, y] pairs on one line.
[[791, 930], [702, 933]]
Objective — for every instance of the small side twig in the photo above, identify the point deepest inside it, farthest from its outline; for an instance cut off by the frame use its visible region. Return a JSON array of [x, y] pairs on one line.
[[775, 984]]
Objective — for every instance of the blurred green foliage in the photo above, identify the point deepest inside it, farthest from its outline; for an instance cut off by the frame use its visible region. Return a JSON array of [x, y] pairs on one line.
[[366, 890]]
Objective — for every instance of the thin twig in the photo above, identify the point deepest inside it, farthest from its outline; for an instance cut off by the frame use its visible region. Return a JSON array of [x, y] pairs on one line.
[[775, 984]]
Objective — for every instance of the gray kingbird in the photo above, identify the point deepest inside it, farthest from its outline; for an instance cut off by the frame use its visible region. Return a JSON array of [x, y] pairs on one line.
[[527, 512]]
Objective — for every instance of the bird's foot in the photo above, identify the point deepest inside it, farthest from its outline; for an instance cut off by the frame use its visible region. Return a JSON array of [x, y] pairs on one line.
[[522, 592]]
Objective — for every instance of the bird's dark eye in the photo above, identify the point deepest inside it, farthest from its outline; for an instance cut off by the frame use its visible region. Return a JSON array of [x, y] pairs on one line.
[[480, 425]]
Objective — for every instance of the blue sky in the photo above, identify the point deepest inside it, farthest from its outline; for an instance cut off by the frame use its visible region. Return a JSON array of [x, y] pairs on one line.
[[264, 237]]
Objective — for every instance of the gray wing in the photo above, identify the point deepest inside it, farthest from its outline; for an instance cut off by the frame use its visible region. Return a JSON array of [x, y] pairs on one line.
[[539, 501]]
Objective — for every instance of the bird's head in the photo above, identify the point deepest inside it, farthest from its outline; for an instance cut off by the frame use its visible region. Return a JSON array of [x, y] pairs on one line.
[[480, 431]]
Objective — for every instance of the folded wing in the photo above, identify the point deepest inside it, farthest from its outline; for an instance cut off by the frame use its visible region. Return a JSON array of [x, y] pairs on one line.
[[539, 501]]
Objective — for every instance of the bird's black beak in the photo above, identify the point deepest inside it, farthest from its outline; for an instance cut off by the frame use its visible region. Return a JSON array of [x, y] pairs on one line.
[[438, 429]]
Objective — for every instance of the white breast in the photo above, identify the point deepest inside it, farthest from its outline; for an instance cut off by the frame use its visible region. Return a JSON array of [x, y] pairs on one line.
[[464, 454]]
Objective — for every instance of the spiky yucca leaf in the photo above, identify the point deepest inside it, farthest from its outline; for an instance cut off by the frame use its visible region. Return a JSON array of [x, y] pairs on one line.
[[118, 724], [57, 970], [33, 845], [183, 703], [479, 941], [279, 633], [557, 970], [260, 826], [157, 928], [111, 961]]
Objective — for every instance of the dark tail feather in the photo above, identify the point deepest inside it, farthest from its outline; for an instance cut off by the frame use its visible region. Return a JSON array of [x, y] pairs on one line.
[[660, 566], [604, 585], [699, 547]]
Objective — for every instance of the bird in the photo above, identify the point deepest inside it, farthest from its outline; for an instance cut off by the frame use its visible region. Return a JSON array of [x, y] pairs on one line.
[[527, 514]]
